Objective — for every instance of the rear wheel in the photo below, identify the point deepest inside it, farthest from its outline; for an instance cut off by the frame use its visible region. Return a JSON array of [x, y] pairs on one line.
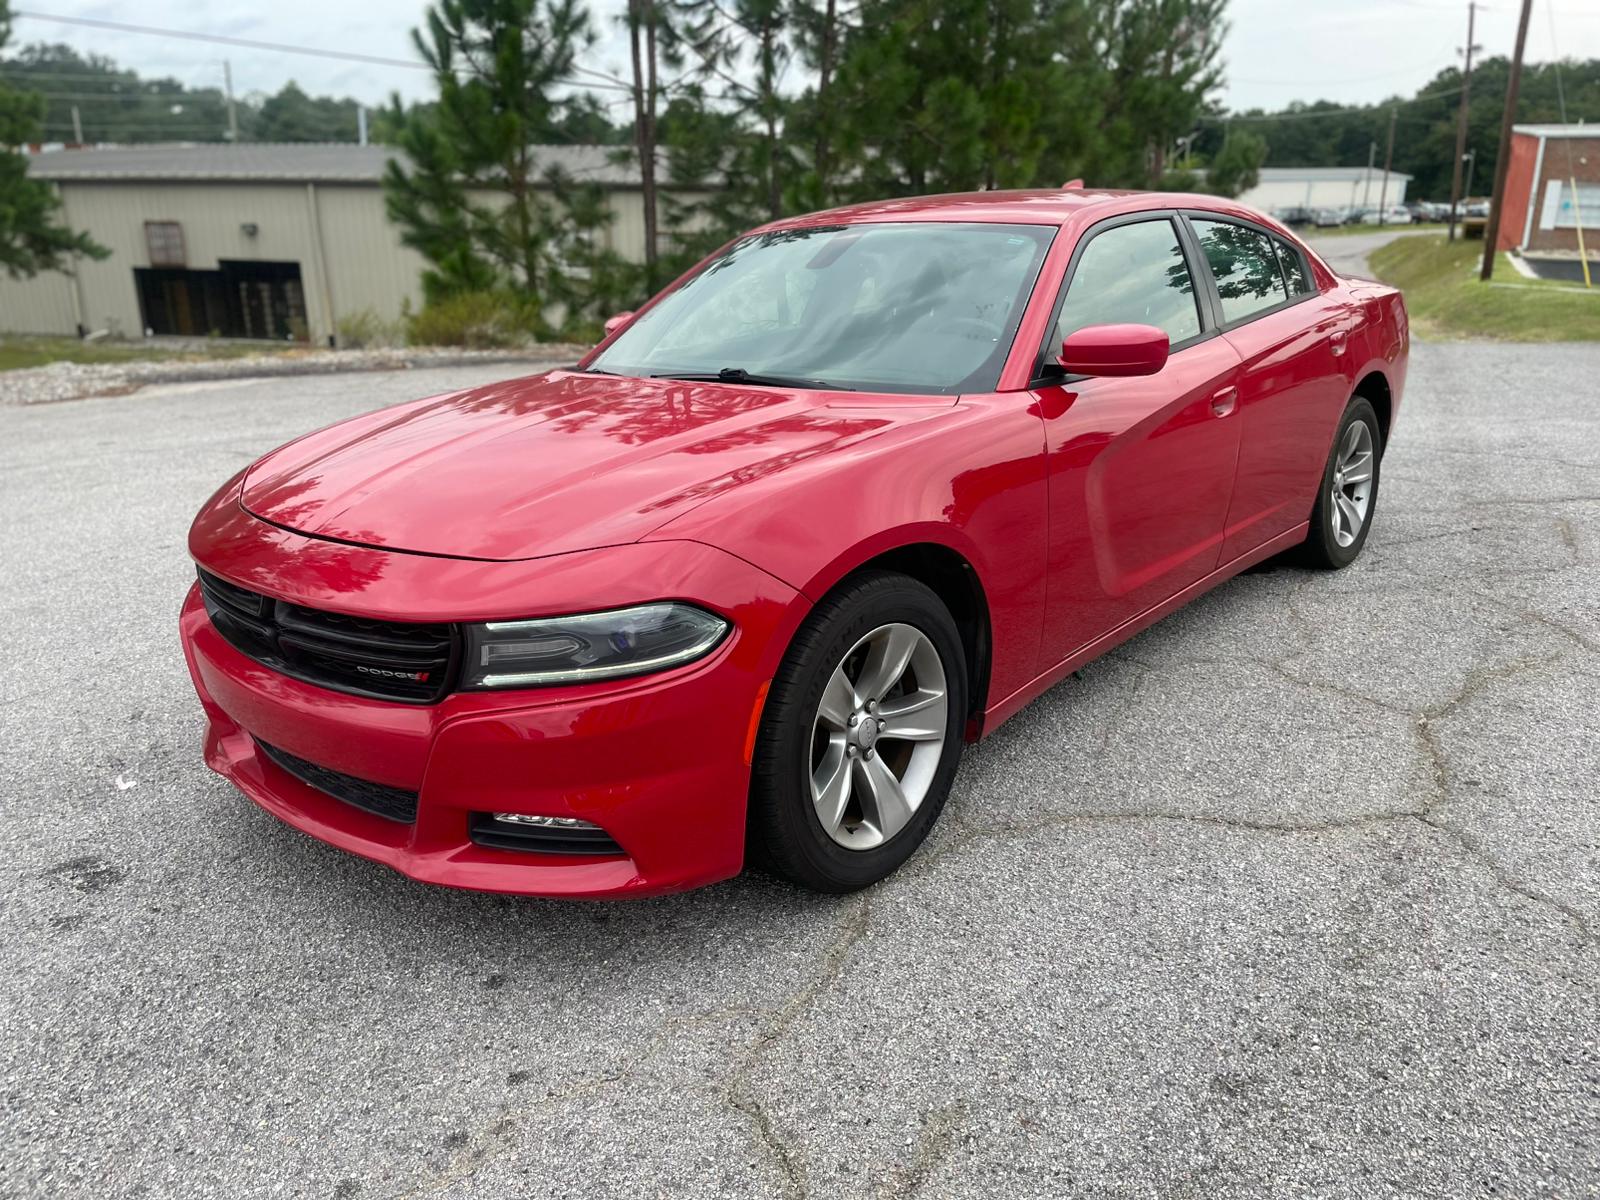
[[1348, 497], [861, 735]]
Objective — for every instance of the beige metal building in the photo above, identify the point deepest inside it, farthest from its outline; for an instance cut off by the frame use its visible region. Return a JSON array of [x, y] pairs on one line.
[[1326, 187], [263, 241]]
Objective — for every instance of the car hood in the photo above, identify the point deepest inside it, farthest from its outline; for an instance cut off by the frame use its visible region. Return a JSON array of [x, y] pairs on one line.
[[550, 464]]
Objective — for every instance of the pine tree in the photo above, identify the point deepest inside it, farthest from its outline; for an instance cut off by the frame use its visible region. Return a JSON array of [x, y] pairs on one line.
[[727, 126], [820, 26], [32, 239], [948, 95], [1163, 67], [474, 199]]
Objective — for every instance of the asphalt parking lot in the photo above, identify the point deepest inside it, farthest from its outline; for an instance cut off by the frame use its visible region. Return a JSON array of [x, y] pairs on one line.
[[1297, 894]]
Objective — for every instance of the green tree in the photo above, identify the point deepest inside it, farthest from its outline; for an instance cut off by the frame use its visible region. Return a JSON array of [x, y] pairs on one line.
[[757, 160], [709, 200], [1325, 134], [32, 238], [474, 199], [941, 95], [1236, 166], [1162, 70], [820, 28], [116, 105], [293, 116]]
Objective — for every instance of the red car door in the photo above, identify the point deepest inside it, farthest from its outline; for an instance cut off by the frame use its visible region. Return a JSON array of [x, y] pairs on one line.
[[1290, 338], [1140, 469]]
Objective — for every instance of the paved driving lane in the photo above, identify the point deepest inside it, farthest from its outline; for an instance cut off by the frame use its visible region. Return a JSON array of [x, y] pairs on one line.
[[1296, 894]]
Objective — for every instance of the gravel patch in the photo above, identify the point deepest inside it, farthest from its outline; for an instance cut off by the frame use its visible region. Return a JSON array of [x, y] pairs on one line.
[[78, 381]]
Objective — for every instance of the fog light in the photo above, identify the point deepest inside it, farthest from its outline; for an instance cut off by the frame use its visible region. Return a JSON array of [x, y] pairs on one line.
[[544, 822]]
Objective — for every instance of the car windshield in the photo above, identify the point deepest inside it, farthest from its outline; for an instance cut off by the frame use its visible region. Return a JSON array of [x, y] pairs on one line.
[[893, 307]]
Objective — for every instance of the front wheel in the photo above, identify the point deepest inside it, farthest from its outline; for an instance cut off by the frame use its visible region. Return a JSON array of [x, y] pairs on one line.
[[1348, 496], [861, 735]]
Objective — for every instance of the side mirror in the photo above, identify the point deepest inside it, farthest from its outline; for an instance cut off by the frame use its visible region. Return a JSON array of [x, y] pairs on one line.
[[1115, 350], [617, 322]]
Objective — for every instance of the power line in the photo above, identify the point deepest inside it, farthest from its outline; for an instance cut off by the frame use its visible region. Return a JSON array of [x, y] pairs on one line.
[[225, 40], [1232, 79], [120, 97], [1327, 112], [614, 83]]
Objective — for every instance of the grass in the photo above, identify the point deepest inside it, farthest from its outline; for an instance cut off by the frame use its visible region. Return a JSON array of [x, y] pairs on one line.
[[1447, 300], [19, 352]]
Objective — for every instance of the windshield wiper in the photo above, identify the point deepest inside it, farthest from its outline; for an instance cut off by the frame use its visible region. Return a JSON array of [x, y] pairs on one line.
[[740, 375]]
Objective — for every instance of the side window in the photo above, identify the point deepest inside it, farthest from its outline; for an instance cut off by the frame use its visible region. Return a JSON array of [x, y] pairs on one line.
[[1245, 267], [1132, 274], [1294, 269]]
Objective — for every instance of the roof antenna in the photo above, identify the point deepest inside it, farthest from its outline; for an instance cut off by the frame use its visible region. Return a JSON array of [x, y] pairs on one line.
[[1072, 185]]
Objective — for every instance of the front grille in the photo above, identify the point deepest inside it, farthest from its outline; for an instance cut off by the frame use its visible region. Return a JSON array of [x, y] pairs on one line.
[[486, 831], [394, 803], [390, 660]]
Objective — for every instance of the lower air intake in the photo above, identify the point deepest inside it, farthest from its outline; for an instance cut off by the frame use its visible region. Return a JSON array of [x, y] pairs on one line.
[[391, 803]]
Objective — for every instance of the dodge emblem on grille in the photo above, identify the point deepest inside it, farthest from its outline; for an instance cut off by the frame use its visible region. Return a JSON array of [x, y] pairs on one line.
[[419, 676]]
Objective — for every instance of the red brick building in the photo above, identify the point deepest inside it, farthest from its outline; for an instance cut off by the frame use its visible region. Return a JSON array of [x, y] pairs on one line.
[[1542, 213]]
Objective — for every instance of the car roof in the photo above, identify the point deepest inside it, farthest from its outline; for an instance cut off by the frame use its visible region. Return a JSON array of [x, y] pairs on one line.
[[1034, 206]]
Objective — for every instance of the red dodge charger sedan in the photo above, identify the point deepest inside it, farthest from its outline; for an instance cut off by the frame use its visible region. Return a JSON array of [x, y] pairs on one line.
[[742, 583]]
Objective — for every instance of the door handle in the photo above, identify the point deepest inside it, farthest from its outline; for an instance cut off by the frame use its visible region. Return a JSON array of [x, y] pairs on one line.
[[1225, 401], [1336, 342]]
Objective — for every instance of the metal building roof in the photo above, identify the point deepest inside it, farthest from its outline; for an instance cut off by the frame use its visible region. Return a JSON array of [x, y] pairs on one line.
[[1341, 174], [277, 162], [1559, 131]]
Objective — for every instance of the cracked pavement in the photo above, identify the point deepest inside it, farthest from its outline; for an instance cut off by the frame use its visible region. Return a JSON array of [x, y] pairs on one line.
[[1294, 894]]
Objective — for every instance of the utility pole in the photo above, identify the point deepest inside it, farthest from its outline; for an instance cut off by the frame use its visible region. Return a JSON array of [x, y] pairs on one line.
[[233, 114], [1502, 162], [77, 126], [1388, 163], [361, 124], [1461, 122], [1366, 188]]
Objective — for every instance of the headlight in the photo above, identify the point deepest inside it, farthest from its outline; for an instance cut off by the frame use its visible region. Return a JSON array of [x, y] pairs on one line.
[[577, 649]]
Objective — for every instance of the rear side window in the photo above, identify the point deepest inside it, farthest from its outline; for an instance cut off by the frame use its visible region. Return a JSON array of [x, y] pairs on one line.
[[1132, 274], [1294, 269], [1245, 266]]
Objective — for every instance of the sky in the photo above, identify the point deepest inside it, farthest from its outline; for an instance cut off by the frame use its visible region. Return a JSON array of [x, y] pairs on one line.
[[1277, 51]]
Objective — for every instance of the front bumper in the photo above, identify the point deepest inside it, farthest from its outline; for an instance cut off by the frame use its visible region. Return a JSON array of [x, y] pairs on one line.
[[659, 762]]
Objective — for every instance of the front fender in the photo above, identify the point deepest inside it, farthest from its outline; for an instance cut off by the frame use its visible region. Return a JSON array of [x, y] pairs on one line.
[[972, 482]]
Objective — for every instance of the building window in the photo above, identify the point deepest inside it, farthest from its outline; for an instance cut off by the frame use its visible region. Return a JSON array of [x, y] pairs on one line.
[[163, 242], [1586, 209]]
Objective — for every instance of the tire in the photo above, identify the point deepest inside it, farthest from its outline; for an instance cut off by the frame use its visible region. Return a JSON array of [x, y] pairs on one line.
[[1331, 543], [868, 622]]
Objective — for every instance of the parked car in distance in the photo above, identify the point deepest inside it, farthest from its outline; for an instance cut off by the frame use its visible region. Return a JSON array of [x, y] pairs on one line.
[[1476, 208], [1328, 218], [1395, 214], [741, 584], [1295, 217]]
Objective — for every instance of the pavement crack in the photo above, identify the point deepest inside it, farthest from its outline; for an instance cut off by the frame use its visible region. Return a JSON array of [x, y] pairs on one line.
[[740, 1094], [1507, 879], [934, 1144], [1476, 682]]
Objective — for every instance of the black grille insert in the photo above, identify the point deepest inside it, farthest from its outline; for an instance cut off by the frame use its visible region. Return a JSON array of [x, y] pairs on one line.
[[542, 839], [391, 660], [395, 804]]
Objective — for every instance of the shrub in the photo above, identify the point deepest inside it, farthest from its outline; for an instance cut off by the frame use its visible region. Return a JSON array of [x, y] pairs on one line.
[[475, 320], [365, 329]]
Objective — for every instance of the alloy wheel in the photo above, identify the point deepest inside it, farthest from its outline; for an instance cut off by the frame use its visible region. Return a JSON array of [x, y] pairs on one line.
[[1350, 493], [878, 736]]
